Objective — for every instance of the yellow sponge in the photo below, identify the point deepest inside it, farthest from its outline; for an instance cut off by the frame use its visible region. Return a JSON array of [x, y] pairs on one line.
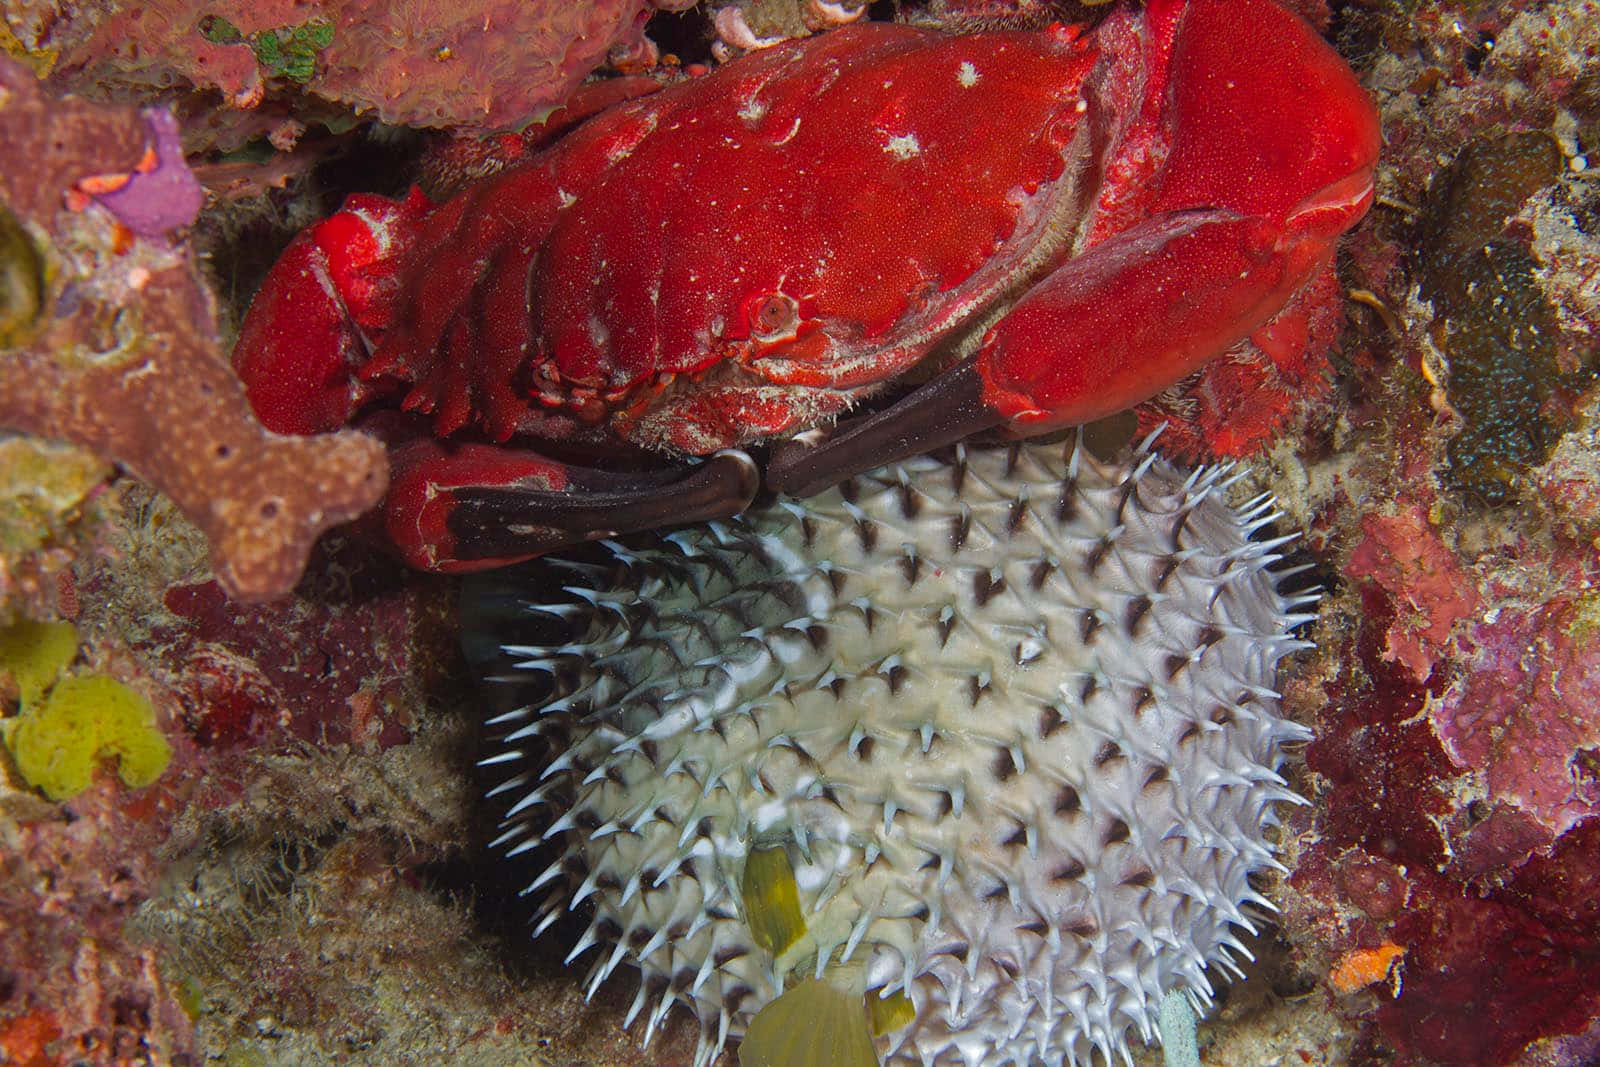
[[35, 653], [83, 719]]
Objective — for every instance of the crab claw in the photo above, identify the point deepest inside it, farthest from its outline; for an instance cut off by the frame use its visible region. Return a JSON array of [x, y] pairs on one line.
[[1267, 157], [1070, 351], [319, 311], [1270, 158], [458, 508]]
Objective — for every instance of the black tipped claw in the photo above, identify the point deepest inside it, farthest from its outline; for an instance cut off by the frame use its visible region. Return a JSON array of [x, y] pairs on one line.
[[505, 522], [946, 409]]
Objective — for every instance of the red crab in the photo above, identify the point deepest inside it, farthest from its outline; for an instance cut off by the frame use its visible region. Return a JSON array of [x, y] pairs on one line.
[[1043, 227]]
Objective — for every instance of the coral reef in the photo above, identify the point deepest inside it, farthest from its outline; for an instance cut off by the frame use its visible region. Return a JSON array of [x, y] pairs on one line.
[[130, 915], [308, 878], [1452, 775], [1509, 382], [39, 481], [111, 344], [484, 63]]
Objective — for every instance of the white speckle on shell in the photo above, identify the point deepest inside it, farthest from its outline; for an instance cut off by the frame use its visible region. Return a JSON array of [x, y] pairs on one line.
[[903, 146], [1010, 714]]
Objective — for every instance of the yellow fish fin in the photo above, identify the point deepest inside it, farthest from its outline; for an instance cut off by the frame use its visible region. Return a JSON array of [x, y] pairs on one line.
[[890, 1012], [815, 1024], [772, 900]]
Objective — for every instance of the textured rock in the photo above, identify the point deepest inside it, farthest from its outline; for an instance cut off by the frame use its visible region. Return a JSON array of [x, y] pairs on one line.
[[484, 63], [1009, 717]]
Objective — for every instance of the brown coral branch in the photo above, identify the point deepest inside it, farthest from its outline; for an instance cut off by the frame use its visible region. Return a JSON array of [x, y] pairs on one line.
[[122, 354]]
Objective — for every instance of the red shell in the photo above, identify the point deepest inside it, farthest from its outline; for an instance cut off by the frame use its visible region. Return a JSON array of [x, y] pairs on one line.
[[876, 177]]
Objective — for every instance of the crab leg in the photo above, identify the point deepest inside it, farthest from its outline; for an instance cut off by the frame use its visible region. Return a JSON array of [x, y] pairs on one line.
[[470, 507], [944, 410]]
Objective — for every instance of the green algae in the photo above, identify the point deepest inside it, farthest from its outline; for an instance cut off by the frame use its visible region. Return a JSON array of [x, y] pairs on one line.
[[1497, 329], [286, 52], [83, 720]]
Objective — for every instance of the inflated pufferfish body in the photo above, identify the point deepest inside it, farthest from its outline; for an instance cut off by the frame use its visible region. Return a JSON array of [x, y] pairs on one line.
[[989, 741]]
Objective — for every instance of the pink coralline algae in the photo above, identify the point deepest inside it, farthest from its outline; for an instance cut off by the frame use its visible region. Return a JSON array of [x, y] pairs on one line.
[[1486, 974], [248, 676], [1496, 918], [114, 346], [1526, 713], [70, 968], [484, 63], [1455, 775], [1405, 554], [1485, 640], [1458, 806]]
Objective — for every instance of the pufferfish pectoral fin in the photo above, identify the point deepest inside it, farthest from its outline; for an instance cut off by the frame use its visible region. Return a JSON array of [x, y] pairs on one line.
[[815, 1024]]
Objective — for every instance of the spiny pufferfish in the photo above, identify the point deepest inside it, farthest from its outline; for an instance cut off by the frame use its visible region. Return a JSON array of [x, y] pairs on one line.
[[967, 761]]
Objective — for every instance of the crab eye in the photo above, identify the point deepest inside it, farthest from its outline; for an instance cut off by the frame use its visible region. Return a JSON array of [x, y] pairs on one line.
[[776, 314]]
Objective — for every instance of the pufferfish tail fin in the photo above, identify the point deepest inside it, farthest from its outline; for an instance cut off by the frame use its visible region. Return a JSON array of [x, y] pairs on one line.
[[815, 1024]]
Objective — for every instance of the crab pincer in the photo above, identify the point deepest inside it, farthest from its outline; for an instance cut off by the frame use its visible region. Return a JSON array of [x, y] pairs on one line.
[[1255, 185]]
